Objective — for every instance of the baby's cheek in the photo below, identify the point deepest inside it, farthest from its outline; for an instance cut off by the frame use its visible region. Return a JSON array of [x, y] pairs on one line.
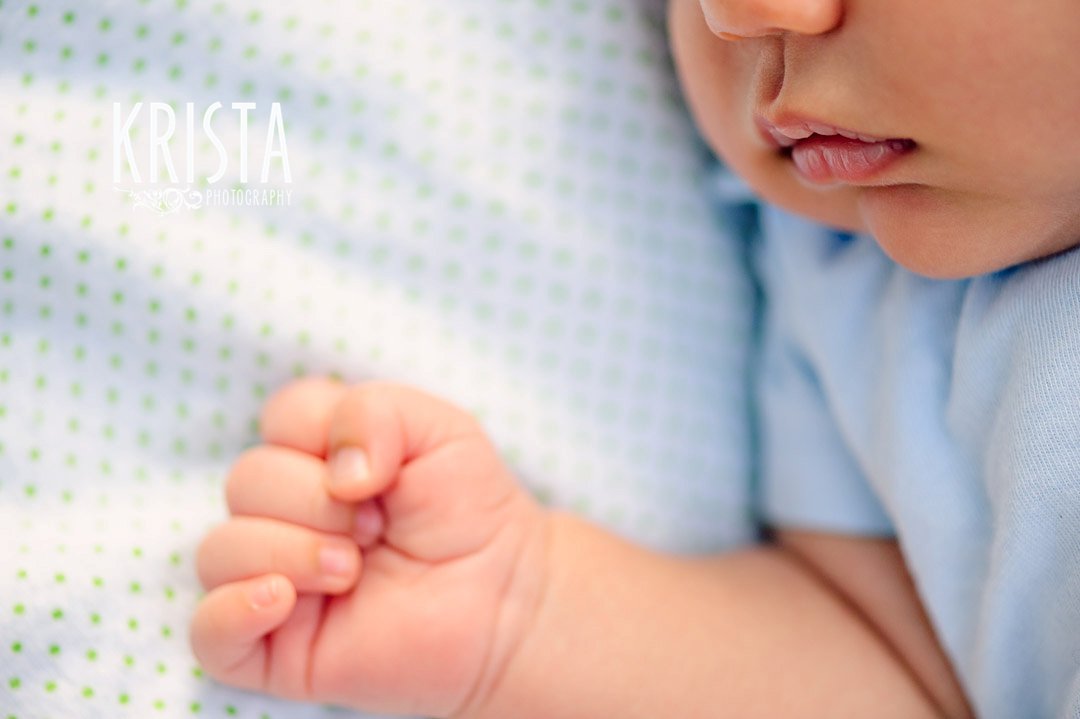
[[717, 82], [715, 75]]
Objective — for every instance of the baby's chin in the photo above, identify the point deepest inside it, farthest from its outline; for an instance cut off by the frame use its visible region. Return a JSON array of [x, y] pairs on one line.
[[912, 227], [931, 232], [947, 235]]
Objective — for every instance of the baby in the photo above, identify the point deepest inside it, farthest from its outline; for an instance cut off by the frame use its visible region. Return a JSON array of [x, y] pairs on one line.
[[919, 397]]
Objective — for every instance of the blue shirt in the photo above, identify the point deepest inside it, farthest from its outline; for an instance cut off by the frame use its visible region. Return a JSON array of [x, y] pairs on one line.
[[946, 414]]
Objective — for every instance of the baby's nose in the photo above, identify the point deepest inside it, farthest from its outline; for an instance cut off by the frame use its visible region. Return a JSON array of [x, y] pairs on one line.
[[737, 19]]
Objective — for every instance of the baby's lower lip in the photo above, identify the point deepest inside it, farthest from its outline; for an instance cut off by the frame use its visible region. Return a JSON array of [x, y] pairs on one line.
[[830, 159]]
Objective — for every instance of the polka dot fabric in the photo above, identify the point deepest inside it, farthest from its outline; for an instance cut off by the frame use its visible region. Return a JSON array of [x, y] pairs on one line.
[[497, 200]]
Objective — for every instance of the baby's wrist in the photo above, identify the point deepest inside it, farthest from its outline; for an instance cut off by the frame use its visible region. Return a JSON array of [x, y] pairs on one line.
[[517, 623]]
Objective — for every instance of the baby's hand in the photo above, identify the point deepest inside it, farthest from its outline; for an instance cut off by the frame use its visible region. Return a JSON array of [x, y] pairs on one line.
[[452, 558]]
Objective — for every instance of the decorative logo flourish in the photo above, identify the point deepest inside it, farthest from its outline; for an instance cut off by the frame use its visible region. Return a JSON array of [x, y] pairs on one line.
[[165, 201]]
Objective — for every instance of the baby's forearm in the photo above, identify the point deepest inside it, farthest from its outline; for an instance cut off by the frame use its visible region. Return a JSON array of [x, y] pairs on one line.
[[622, 631]]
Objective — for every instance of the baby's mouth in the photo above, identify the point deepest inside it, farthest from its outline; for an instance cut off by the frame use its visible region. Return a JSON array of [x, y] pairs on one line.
[[829, 159], [825, 154]]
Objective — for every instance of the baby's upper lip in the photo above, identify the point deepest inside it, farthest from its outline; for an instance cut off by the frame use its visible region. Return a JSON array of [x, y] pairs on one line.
[[787, 131]]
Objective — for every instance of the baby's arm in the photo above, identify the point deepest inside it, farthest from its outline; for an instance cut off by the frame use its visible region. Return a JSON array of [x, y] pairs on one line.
[[476, 602], [626, 632]]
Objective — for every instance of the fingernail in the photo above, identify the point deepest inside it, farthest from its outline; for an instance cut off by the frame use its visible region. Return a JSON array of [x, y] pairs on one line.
[[336, 560], [265, 593], [349, 466]]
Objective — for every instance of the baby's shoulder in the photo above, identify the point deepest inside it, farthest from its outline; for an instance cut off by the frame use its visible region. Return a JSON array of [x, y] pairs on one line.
[[1018, 347], [1031, 313]]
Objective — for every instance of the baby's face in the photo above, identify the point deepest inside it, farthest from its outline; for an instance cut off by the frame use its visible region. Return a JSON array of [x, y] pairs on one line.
[[976, 104]]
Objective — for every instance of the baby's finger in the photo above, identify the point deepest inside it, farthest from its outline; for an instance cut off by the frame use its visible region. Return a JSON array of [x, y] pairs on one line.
[[230, 625], [289, 485], [298, 415], [378, 427], [245, 547]]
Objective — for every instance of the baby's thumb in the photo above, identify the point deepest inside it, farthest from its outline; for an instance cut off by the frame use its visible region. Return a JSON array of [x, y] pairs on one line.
[[378, 427], [231, 622], [444, 491]]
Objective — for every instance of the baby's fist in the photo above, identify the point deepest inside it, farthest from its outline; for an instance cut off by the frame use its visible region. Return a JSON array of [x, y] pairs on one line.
[[452, 564]]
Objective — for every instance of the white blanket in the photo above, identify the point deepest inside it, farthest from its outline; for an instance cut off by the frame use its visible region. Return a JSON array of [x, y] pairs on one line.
[[498, 201]]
